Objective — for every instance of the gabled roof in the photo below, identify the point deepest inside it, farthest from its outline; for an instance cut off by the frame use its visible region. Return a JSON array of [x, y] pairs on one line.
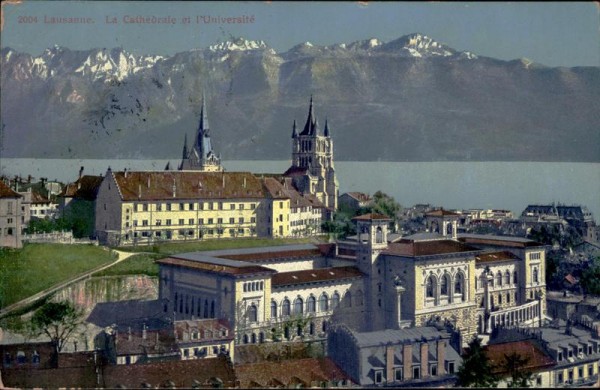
[[442, 213], [315, 275], [495, 256], [296, 171], [174, 185], [7, 192], [85, 188], [289, 372], [359, 196], [427, 248], [37, 198], [538, 360], [371, 217]]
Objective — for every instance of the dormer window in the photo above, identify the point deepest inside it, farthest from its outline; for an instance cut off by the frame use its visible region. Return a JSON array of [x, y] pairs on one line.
[[560, 356]]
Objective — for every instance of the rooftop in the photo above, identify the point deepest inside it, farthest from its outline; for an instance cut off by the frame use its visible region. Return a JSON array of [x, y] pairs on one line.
[[427, 248], [371, 217], [519, 242], [537, 359], [315, 275], [7, 192], [495, 256]]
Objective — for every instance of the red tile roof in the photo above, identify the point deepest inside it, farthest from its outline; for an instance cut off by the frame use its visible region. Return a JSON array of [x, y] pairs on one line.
[[571, 279], [39, 198], [215, 268], [289, 372], [208, 330], [361, 197], [85, 188], [182, 373], [315, 275], [426, 248], [174, 185], [7, 192], [371, 217], [442, 213], [264, 256], [495, 256], [538, 360]]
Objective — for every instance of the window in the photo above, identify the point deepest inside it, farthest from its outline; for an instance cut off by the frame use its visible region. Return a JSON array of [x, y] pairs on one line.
[[219, 220], [158, 222], [145, 222], [191, 221], [168, 222], [416, 372], [398, 374], [191, 206], [507, 278], [590, 370], [335, 300], [323, 302], [241, 206], [378, 376], [430, 287], [359, 298], [168, 206], [311, 304], [210, 221], [252, 313], [145, 206], [285, 307], [459, 280], [181, 221], [298, 306], [201, 221], [538, 380], [499, 279], [232, 220], [433, 370], [450, 367], [535, 275], [560, 377], [273, 309], [241, 220], [515, 277], [232, 206], [444, 284], [181, 207]]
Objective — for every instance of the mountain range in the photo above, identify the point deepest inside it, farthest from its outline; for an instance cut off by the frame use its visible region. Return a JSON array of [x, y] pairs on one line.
[[410, 99]]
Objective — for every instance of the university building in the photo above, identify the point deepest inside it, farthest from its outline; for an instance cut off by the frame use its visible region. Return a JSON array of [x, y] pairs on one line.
[[367, 282], [201, 201]]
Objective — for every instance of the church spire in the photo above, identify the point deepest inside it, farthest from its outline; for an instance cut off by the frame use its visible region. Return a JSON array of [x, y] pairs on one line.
[[294, 130], [310, 121], [204, 128], [185, 147], [326, 131]]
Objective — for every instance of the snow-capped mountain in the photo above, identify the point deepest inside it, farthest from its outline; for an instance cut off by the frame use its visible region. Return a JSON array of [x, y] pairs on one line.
[[419, 99]]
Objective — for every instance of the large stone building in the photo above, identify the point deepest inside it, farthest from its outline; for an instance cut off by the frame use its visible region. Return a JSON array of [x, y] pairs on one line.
[[12, 217], [476, 283], [201, 201]]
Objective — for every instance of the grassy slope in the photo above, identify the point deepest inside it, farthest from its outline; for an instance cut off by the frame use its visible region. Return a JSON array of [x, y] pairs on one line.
[[144, 263], [35, 267]]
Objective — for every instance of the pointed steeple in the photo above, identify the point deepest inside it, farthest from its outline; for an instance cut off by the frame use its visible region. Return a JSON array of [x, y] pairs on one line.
[[308, 127], [185, 146], [294, 130], [168, 166], [315, 127], [326, 131], [204, 128]]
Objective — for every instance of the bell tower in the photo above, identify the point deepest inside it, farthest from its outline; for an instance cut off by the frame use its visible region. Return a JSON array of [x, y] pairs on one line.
[[312, 153], [372, 232]]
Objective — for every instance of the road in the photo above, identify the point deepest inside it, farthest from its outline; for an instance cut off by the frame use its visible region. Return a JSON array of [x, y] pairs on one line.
[[120, 257]]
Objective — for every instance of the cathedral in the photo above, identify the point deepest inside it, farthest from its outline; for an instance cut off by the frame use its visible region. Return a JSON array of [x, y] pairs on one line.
[[201, 156], [312, 167]]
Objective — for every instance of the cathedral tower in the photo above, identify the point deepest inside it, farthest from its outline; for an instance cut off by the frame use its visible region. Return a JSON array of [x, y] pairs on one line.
[[201, 156], [312, 160]]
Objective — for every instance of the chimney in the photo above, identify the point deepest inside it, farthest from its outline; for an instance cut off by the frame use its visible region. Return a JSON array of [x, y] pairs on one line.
[[389, 363], [407, 361], [80, 172], [223, 181], [424, 359], [144, 333], [139, 191], [244, 185], [174, 189], [129, 334], [125, 173], [148, 181], [441, 357]]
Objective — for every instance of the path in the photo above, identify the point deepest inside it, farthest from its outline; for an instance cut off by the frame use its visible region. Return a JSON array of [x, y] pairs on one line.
[[121, 256]]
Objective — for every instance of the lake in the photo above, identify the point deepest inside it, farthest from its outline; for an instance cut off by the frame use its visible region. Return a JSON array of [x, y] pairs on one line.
[[455, 185]]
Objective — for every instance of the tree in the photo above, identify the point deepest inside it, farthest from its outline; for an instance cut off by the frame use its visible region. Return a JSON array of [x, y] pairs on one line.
[[58, 321], [514, 364], [590, 278], [476, 370], [386, 205]]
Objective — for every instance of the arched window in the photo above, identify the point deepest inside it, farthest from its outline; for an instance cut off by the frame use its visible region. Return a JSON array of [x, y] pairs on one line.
[[253, 338], [430, 287], [273, 309], [358, 298], [459, 281], [535, 275], [252, 314], [499, 279], [311, 304], [245, 339], [348, 299], [311, 328], [285, 307], [323, 302], [515, 279], [335, 300], [444, 284], [507, 277], [298, 306], [379, 235], [212, 309]]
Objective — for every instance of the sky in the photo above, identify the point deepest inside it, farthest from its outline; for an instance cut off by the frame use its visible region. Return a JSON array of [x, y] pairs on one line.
[[553, 34]]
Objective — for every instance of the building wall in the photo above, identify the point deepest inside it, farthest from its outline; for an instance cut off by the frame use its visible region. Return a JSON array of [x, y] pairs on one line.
[[12, 219]]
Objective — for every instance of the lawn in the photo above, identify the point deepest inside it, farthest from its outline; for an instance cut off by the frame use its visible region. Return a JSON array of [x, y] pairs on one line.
[[35, 267], [171, 248], [141, 264]]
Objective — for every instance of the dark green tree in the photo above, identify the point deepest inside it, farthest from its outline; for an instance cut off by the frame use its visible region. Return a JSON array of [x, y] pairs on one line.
[[515, 365], [58, 321], [590, 278], [476, 370]]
